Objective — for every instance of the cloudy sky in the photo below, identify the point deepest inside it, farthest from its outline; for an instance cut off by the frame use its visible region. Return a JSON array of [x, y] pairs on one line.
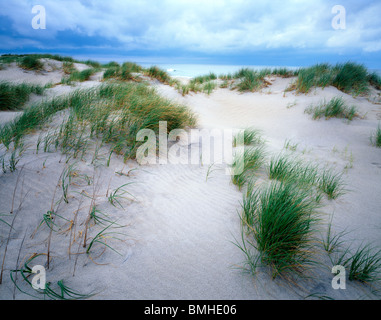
[[277, 32]]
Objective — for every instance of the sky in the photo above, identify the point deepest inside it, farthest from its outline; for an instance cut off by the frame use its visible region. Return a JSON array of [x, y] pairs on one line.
[[239, 32]]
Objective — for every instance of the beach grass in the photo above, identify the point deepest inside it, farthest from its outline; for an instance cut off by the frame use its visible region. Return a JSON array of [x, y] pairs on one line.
[[348, 77], [124, 72], [246, 164], [250, 80], [331, 183], [114, 112], [307, 175], [248, 136], [68, 67], [281, 221], [30, 63], [334, 108], [333, 242], [132, 66], [208, 87], [92, 63], [79, 76], [351, 78], [205, 78], [13, 96], [375, 80], [111, 64], [59, 292], [375, 137], [363, 265], [227, 76], [159, 74]]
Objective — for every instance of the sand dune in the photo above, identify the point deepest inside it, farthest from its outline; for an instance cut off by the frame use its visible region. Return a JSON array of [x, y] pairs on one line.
[[182, 225]]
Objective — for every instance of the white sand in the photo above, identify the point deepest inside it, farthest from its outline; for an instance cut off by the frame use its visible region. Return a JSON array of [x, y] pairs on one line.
[[179, 242]]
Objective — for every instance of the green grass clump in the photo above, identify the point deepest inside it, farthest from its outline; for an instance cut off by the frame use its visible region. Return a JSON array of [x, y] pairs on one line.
[[53, 57], [68, 67], [319, 75], [113, 112], [93, 64], [13, 96], [284, 72], [246, 164], [208, 87], [334, 108], [159, 74], [132, 67], [376, 137], [348, 77], [58, 292], [194, 87], [307, 176], [111, 64], [35, 116], [250, 80], [121, 73], [111, 72], [184, 89], [9, 58], [79, 76], [228, 76], [224, 84], [364, 265], [351, 78], [248, 136], [375, 80], [30, 63], [331, 183], [203, 79], [280, 218]]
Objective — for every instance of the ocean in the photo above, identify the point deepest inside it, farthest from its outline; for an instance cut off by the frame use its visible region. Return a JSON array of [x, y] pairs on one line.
[[194, 70]]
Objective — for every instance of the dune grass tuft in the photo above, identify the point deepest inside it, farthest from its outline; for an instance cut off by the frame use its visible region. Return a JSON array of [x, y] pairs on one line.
[[30, 63], [159, 74], [79, 76], [250, 80], [375, 80], [248, 136], [13, 96], [68, 67], [246, 163], [348, 77], [334, 108], [60, 292], [351, 78], [203, 79], [123, 72], [208, 87], [306, 175], [364, 264], [376, 137], [280, 219], [113, 112]]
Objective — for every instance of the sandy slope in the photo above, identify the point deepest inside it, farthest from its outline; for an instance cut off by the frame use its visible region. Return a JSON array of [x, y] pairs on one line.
[[179, 242]]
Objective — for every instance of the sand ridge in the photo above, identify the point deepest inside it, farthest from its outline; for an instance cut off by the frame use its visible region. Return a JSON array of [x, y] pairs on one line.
[[181, 225]]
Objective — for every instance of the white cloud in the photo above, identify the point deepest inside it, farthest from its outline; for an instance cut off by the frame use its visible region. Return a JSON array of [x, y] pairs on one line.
[[206, 26]]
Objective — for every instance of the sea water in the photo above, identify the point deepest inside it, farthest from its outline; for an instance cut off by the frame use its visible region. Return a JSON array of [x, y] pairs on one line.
[[194, 70]]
